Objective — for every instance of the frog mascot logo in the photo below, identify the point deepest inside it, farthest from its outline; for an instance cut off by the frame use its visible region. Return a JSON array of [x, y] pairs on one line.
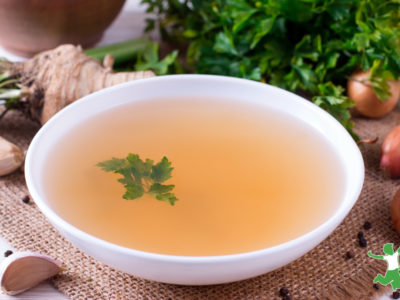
[[392, 275]]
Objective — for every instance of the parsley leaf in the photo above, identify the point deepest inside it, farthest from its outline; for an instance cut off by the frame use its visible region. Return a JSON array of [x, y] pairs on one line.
[[140, 177], [162, 192], [161, 171], [310, 47], [149, 59]]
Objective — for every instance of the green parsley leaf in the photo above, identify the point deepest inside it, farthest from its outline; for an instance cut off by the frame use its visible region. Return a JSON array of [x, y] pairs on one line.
[[133, 191], [149, 59], [140, 177], [112, 165], [161, 171], [305, 46], [162, 192]]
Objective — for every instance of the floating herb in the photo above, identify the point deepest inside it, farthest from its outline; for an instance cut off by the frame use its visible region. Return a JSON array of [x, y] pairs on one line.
[[140, 177]]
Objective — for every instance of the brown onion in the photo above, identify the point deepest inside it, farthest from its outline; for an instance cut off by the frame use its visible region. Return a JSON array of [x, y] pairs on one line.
[[390, 158], [395, 210], [365, 99]]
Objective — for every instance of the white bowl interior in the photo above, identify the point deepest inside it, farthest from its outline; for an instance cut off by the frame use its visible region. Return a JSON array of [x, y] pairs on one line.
[[196, 270]]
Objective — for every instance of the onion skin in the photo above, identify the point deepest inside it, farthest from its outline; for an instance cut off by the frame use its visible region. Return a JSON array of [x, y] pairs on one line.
[[365, 99], [390, 158], [395, 210]]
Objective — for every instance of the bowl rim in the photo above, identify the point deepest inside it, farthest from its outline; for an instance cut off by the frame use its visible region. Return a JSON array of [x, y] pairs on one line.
[[332, 222]]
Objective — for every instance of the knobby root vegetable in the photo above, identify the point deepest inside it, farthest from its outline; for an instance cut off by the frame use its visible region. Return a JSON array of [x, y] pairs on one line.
[[11, 157], [23, 270], [395, 210], [55, 78], [390, 157], [366, 101]]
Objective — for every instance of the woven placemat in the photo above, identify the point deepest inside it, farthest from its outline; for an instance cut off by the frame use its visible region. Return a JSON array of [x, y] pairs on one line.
[[323, 273]]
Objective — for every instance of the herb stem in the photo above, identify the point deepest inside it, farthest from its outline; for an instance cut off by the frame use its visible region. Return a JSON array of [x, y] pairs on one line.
[[122, 52], [8, 82]]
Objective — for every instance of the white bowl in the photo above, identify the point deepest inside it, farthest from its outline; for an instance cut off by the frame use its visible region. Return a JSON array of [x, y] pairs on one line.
[[183, 269]]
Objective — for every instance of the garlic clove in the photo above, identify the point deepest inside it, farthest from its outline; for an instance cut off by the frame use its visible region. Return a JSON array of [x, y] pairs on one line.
[[11, 157], [24, 270]]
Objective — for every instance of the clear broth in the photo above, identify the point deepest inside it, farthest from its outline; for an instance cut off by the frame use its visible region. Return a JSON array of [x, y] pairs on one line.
[[246, 177]]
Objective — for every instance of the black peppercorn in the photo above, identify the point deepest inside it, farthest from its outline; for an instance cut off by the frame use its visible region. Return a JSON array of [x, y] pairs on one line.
[[376, 286], [396, 295], [26, 199], [367, 225], [363, 243], [350, 254], [8, 253], [283, 292]]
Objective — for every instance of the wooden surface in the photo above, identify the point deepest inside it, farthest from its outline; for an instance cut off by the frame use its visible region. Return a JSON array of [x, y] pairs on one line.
[[129, 24]]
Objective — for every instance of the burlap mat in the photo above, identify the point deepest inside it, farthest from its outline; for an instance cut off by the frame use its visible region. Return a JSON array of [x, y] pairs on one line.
[[322, 273]]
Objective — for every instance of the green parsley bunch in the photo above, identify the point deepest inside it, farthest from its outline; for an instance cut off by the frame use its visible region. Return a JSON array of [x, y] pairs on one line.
[[304, 46]]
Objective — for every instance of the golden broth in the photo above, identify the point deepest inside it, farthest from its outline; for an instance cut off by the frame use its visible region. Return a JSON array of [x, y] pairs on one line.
[[246, 177]]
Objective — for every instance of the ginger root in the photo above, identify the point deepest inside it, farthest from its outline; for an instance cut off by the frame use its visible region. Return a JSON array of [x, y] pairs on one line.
[[55, 78]]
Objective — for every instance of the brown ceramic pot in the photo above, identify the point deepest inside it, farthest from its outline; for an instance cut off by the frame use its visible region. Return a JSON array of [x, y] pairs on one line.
[[30, 26]]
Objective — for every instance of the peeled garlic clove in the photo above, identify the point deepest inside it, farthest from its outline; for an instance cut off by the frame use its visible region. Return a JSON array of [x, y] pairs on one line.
[[11, 157], [24, 270]]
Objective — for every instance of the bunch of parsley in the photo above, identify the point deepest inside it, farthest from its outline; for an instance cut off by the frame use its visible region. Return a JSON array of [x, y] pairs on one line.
[[305, 46]]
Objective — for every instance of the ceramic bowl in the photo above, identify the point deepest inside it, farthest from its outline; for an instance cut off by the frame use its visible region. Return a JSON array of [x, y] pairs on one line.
[[206, 269], [32, 26]]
